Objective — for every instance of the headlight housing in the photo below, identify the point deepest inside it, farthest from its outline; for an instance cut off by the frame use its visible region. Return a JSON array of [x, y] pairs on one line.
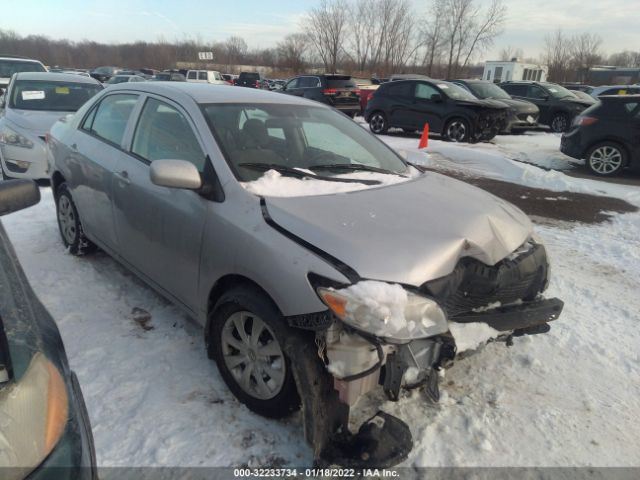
[[9, 136], [386, 310], [33, 412]]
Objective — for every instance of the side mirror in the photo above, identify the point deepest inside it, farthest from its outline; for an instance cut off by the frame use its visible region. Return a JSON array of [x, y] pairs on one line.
[[18, 194], [436, 98], [175, 174]]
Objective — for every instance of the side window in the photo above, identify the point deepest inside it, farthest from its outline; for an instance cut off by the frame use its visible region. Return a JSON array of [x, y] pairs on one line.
[[109, 120], [293, 83], [191, 75], [401, 89], [202, 76], [424, 91], [516, 90], [536, 92], [164, 133], [217, 76]]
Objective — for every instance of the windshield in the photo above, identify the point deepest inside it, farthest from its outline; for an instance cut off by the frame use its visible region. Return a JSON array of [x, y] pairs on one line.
[[51, 96], [488, 90], [9, 67], [558, 91], [454, 91], [255, 138], [113, 80]]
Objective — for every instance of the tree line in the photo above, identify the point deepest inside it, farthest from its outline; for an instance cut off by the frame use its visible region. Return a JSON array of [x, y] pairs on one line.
[[361, 37]]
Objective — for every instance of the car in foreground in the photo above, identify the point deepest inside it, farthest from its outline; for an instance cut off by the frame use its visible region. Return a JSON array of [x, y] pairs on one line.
[[450, 110], [124, 79], [10, 64], [338, 91], [606, 135], [614, 90], [521, 114], [558, 106], [274, 222], [33, 102], [45, 428]]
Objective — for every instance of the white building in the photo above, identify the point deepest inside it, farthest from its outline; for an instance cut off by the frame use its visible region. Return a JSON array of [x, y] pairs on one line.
[[496, 71]]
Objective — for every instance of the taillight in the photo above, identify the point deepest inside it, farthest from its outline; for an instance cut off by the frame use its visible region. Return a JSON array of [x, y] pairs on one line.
[[357, 92], [257, 83], [330, 91], [585, 121]]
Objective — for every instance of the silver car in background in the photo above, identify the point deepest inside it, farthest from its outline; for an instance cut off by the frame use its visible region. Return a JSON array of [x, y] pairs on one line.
[[319, 262], [32, 103]]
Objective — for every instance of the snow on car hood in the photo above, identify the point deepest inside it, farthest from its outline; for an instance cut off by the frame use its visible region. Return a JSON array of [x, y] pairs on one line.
[[36, 120], [409, 232]]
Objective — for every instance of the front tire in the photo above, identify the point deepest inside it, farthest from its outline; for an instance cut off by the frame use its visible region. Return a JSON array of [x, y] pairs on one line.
[[69, 224], [247, 342], [606, 159], [457, 130], [560, 123], [378, 123]]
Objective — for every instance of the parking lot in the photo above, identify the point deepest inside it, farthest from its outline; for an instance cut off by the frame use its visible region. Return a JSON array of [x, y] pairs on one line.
[[560, 399]]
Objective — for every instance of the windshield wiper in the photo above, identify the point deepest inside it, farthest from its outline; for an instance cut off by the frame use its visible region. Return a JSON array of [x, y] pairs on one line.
[[352, 167], [295, 172]]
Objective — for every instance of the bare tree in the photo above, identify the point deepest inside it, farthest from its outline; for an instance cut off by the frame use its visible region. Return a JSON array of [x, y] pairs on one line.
[[433, 36], [364, 25], [585, 53], [235, 49], [627, 59], [509, 52], [326, 27], [292, 50], [557, 55]]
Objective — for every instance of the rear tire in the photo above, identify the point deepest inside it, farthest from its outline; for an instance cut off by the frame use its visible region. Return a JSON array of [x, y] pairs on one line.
[[69, 224], [247, 342], [378, 123], [457, 130], [606, 159], [560, 123]]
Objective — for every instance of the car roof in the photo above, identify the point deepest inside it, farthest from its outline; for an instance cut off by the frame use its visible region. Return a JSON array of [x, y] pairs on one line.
[[621, 98], [204, 93], [18, 58], [606, 87], [56, 77]]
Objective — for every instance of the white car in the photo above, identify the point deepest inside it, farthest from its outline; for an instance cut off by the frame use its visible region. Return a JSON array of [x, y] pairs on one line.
[[32, 103], [206, 76]]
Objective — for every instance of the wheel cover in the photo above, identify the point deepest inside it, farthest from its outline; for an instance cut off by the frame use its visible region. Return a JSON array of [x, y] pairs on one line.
[[67, 219], [457, 131], [559, 123], [253, 355], [605, 160], [377, 123]]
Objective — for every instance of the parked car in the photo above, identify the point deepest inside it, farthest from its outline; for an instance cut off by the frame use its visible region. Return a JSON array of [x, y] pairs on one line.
[[558, 106], [198, 197], [33, 102], [251, 80], [339, 91], [408, 76], [450, 110], [205, 76], [121, 78], [580, 87], [582, 95], [45, 429], [607, 135], [169, 77], [521, 115], [229, 78], [10, 64], [614, 90], [102, 74], [366, 87]]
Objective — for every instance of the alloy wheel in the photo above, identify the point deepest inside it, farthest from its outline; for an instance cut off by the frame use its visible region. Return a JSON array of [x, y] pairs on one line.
[[67, 219], [457, 131], [377, 123], [253, 355], [559, 123], [605, 160]]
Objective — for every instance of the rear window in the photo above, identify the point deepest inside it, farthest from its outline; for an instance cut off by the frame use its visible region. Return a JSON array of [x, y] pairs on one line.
[[340, 82], [51, 96], [249, 76], [9, 67], [400, 89]]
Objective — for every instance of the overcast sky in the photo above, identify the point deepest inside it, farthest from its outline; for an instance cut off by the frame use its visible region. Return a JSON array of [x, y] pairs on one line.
[[264, 22]]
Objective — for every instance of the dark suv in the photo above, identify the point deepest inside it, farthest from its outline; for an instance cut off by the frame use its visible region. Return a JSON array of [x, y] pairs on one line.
[[449, 110], [251, 80], [558, 106], [521, 114], [339, 91], [607, 135]]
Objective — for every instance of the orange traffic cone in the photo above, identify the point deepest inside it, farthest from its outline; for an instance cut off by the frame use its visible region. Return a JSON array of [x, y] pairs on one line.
[[424, 140]]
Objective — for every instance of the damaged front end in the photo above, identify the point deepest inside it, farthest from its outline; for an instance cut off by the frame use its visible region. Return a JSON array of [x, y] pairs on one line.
[[381, 334]]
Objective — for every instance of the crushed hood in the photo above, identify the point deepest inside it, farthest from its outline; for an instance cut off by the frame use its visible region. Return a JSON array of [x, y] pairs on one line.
[[410, 232], [37, 121]]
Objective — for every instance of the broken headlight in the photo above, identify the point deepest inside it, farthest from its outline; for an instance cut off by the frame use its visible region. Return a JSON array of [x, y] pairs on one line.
[[386, 310]]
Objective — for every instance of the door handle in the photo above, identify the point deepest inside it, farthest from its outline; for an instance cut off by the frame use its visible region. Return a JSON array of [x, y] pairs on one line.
[[123, 177]]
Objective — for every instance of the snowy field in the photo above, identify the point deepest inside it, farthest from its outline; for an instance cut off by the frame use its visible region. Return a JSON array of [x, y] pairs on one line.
[[567, 398]]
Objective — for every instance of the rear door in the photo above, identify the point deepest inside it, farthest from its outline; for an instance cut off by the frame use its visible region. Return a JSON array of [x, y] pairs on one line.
[[94, 162], [399, 104], [542, 100], [424, 110], [292, 87], [160, 229]]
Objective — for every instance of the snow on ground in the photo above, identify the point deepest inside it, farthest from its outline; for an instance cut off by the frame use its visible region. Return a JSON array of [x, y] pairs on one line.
[[569, 397]]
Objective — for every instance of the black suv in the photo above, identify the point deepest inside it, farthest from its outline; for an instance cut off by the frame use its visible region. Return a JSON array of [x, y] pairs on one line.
[[449, 110], [339, 91], [558, 106], [607, 135], [251, 80], [521, 114]]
